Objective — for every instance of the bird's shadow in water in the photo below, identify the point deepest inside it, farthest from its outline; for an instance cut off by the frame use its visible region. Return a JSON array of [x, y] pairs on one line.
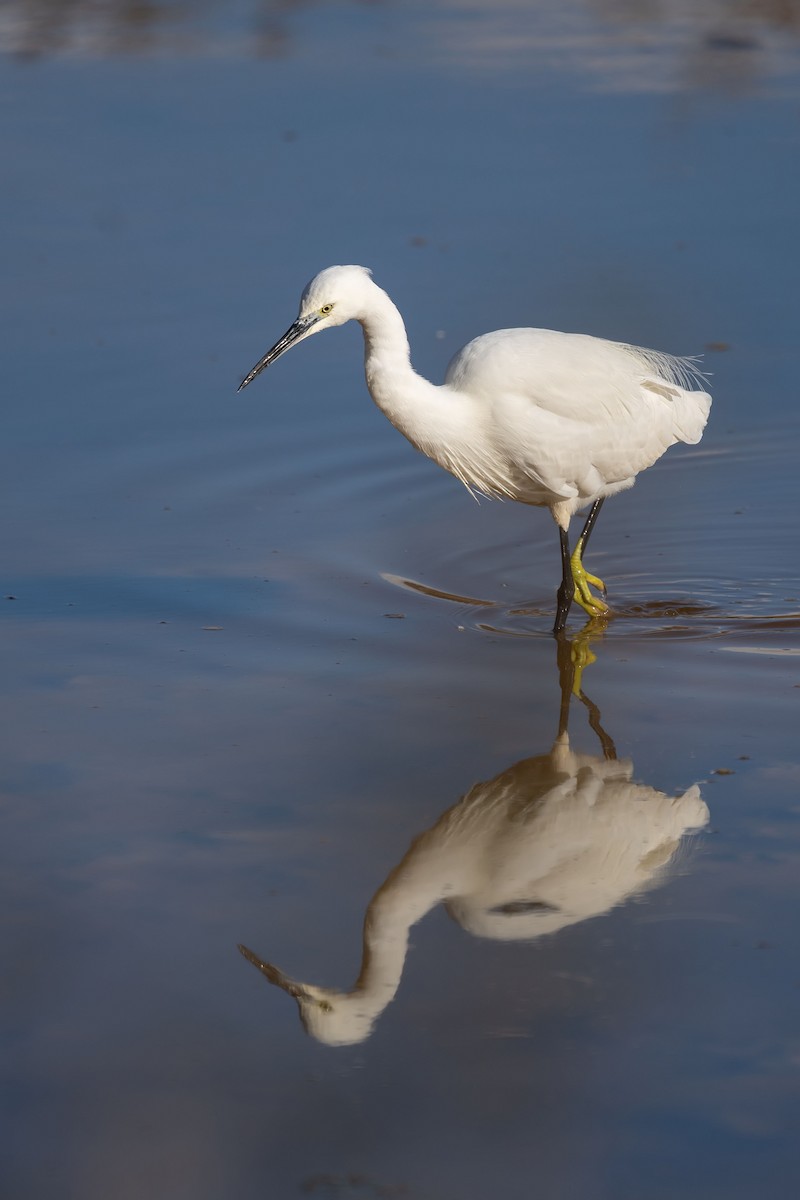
[[553, 840]]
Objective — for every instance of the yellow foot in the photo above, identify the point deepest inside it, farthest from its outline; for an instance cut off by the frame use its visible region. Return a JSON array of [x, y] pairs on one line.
[[584, 582], [582, 657]]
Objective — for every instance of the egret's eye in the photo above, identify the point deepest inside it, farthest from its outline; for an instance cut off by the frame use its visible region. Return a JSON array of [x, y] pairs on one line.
[[326, 308]]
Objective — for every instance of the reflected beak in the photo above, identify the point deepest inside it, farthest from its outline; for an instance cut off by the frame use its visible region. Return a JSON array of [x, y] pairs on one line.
[[272, 973], [294, 333]]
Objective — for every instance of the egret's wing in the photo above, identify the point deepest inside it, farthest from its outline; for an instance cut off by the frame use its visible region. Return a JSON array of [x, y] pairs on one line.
[[572, 375], [566, 374]]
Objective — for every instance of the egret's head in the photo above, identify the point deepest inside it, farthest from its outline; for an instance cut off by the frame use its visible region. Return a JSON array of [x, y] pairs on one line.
[[332, 1017], [336, 295]]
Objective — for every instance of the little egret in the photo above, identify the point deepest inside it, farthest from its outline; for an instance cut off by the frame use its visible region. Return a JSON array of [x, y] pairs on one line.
[[560, 420]]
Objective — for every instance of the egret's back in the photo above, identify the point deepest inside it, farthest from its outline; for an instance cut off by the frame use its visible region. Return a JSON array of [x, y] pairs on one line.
[[576, 376]]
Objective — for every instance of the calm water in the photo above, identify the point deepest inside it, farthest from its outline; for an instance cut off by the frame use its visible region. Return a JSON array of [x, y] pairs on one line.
[[267, 670]]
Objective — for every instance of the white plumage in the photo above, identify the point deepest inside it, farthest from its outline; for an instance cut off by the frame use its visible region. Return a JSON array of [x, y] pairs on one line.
[[554, 419]]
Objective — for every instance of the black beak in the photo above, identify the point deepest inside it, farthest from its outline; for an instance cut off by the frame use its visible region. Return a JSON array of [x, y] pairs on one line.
[[293, 334], [274, 975]]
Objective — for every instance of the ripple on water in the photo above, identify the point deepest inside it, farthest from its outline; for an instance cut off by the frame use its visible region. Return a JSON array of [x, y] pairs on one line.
[[701, 609]]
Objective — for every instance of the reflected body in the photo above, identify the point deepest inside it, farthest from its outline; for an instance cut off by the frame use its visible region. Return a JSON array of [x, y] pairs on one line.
[[551, 419], [551, 841]]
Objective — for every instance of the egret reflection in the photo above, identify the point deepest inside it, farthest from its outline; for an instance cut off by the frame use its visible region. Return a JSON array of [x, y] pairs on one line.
[[553, 840]]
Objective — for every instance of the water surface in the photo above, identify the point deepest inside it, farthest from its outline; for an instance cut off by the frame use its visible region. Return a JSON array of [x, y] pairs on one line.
[[258, 651]]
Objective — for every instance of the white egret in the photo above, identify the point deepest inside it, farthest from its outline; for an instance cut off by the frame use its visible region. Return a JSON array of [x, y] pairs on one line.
[[559, 420]]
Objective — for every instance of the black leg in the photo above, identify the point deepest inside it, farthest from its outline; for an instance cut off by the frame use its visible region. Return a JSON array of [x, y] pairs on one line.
[[566, 592], [590, 520]]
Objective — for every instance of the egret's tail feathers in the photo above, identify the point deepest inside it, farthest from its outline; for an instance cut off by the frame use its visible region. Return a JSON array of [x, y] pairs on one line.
[[691, 413], [688, 410], [673, 378]]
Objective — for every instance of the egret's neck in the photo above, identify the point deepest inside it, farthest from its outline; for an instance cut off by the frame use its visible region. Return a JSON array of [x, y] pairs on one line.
[[409, 401]]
